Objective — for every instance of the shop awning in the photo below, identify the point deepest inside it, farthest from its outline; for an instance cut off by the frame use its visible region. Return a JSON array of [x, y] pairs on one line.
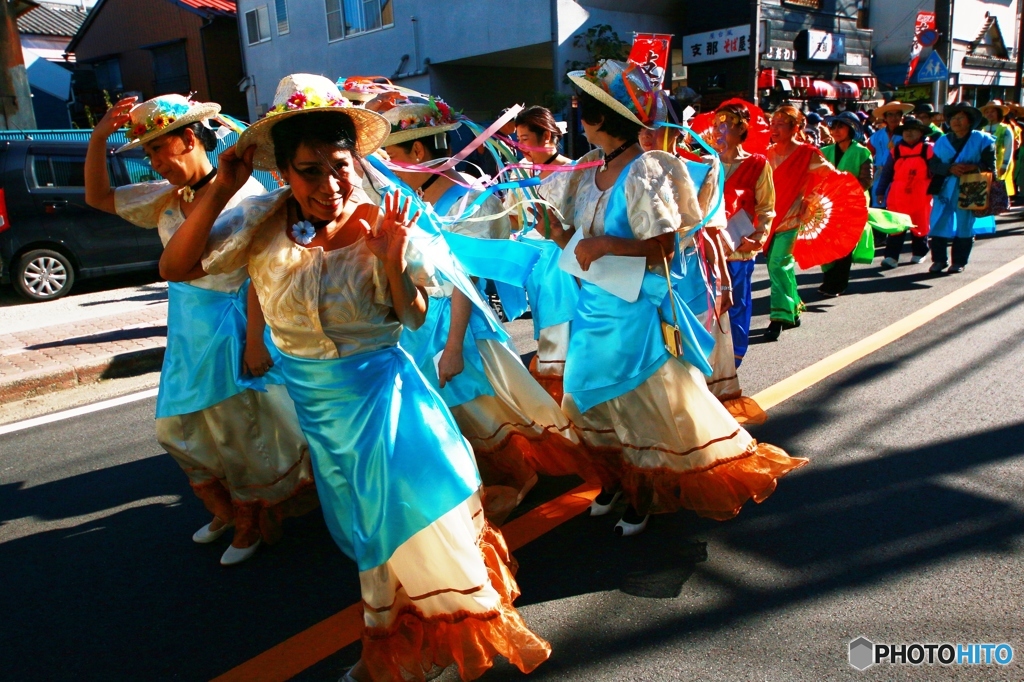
[[833, 89]]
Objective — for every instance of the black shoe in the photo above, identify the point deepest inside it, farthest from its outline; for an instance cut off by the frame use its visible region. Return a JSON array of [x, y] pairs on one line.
[[827, 293], [955, 269], [937, 268], [794, 324], [774, 331]]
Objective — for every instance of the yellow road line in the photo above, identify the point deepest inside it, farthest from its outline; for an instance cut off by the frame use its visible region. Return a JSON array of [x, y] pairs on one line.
[[805, 378], [329, 636]]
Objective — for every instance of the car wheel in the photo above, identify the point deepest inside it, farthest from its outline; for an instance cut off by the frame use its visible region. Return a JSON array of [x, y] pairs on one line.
[[43, 275]]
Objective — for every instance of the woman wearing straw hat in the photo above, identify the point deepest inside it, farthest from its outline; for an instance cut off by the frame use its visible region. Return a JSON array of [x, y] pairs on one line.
[[234, 434], [515, 427], [397, 482], [995, 112], [961, 151], [885, 138], [656, 432]]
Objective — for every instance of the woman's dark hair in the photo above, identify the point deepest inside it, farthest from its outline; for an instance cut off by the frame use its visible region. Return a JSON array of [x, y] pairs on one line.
[[429, 144], [327, 128], [206, 137], [539, 120], [739, 111], [615, 124]]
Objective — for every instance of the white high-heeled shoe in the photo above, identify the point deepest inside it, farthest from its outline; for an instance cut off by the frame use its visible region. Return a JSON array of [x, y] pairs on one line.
[[205, 536], [625, 529], [236, 555], [598, 509]]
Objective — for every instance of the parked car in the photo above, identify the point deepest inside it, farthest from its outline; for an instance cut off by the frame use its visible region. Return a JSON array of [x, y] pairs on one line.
[[49, 237]]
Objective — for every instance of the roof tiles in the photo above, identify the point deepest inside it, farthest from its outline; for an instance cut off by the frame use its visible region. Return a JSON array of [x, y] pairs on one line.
[[50, 19]]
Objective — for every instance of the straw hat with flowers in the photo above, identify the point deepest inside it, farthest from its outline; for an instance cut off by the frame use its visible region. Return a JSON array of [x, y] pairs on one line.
[[155, 117], [302, 93], [622, 87], [418, 117]]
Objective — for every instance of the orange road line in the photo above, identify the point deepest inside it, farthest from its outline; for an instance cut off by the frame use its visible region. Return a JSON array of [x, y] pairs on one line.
[[805, 378], [329, 636], [295, 654]]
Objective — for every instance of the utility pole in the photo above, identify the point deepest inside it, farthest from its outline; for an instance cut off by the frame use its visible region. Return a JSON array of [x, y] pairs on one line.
[[944, 46], [15, 94], [1020, 59], [755, 48]]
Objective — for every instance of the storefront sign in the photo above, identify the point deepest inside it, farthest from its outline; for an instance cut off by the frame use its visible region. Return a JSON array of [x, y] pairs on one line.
[[724, 43], [821, 46]]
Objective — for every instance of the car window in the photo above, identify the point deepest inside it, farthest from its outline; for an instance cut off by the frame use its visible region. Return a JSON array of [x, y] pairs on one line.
[[137, 167], [64, 170]]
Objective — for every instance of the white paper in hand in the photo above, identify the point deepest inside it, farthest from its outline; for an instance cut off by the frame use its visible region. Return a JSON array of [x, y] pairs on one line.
[[618, 275], [738, 227]]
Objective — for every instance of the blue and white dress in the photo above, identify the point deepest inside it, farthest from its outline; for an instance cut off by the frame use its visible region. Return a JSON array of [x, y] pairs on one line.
[[397, 481], [237, 438]]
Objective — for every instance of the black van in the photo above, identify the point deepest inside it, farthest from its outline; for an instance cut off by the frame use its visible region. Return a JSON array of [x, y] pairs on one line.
[[49, 237]]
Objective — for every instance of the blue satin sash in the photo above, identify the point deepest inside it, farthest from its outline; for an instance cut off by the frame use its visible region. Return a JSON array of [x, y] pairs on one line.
[[205, 342], [553, 292], [429, 340], [388, 458], [615, 346]]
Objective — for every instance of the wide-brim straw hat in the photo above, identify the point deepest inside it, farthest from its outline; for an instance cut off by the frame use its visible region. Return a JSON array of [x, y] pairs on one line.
[[881, 111], [160, 115], [419, 117], [304, 93], [1004, 109], [1016, 110], [623, 88], [972, 113]]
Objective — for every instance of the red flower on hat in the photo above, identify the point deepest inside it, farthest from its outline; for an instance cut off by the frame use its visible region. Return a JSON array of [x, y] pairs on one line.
[[297, 101]]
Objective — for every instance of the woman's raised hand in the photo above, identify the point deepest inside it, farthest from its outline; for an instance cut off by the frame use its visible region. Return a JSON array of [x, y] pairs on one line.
[[115, 118], [389, 241], [233, 170]]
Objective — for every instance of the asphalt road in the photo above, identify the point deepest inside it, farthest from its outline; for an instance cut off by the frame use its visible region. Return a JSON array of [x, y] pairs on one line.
[[906, 527]]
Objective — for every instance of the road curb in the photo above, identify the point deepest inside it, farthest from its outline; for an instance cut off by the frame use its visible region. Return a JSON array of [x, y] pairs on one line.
[[66, 376]]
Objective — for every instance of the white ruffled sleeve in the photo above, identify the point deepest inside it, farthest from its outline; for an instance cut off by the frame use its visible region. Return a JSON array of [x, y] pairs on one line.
[[660, 196], [142, 203], [561, 187], [480, 225], [232, 235]]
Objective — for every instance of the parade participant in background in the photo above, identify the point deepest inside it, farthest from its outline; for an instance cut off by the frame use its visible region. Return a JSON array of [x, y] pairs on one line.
[[748, 188], [885, 138], [399, 489], [516, 428], [847, 154], [811, 131], [1002, 183], [905, 185], [925, 113], [961, 151], [659, 436], [552, 291], [235, 436], [792, 160]]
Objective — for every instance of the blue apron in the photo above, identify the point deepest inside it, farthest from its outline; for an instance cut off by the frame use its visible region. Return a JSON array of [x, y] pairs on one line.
[[947, 219], [205, 343], [615, 346], [388, 458]]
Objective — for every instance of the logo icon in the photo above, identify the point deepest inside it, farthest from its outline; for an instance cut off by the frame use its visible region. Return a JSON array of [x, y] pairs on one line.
[[862, 653]]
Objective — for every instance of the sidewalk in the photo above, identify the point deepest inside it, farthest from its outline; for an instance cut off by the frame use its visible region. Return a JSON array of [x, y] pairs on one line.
[[69, 354]]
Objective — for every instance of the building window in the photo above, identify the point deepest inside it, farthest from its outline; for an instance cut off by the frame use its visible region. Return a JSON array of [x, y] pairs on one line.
[[170, 69], [257, 25], [108, 75], [352, 17], [281, 9]]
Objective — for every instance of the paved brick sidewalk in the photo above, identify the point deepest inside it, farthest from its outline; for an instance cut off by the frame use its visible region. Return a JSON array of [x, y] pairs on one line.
[[65, 355]]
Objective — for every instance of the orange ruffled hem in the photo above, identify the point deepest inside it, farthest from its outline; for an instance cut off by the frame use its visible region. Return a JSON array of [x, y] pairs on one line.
[[256, 519], [549, 453], [745, 410], [414, 643], [554, 385], [717, 492]]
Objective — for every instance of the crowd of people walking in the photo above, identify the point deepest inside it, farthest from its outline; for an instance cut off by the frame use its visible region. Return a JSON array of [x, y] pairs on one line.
[[332, 341]]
